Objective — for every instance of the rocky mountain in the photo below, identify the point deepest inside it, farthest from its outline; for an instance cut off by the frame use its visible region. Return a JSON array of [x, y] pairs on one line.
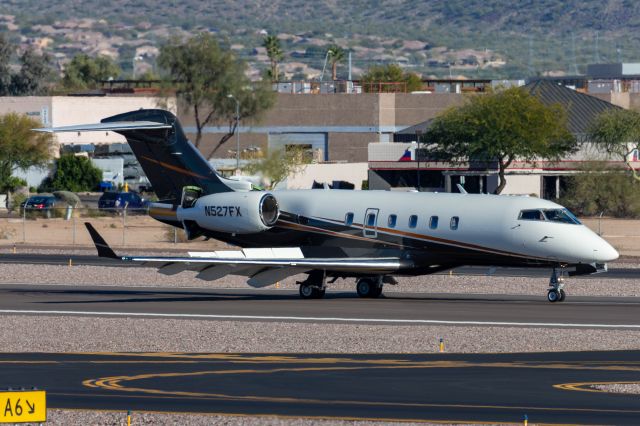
[[475, 38]]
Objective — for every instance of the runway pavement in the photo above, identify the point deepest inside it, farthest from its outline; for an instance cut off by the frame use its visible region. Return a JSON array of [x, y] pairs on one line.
[[92, 260], [285, 305], [548, 388]]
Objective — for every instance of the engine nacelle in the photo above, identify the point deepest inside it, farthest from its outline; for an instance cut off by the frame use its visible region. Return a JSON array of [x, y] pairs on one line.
[[233, 212]]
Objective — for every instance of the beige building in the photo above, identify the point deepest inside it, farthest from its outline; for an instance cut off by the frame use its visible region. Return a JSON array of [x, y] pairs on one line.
[[341, 125]]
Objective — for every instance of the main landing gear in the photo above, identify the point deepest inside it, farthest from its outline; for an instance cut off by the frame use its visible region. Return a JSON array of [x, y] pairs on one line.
[[556, 291], [314, 286], [369, 287]]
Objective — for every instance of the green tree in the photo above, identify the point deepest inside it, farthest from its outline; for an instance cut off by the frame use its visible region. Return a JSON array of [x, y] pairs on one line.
[[336, 55], [34, 76], [20, 147], [204, 75], [85, 72], [502, 126], [274, 51], [278, 164], [391, 73], [617, 132], [6, 51], [74, 173]]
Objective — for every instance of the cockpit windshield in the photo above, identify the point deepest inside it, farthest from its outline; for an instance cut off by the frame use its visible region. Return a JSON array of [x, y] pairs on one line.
[[561, 215], [551, 215]]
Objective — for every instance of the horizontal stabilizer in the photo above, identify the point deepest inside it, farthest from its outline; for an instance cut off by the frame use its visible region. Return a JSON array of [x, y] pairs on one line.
[[105, 127]]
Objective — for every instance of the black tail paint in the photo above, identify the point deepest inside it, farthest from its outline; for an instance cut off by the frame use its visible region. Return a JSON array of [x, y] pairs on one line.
[[101, 245], [167, 157]]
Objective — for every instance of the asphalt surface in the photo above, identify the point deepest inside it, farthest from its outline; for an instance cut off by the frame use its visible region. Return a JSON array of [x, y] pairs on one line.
[[337, 306], [547, 388], [92, 260]]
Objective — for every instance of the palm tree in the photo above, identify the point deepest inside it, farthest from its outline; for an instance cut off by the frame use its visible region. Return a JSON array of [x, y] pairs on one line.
[[336, 55], [275, 54]]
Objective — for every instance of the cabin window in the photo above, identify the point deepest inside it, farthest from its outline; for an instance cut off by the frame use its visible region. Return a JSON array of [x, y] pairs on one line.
[[455, 221], [348, 219], [433, 222], [371, 220], [413, 221], [392, 220], [562, 216], [531, 215]]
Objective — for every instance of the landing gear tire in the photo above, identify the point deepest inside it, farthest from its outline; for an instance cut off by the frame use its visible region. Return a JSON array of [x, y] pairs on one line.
[[368, 288], [554, 296], [562, 296], [556, 284], [377, 291], [308, 291]]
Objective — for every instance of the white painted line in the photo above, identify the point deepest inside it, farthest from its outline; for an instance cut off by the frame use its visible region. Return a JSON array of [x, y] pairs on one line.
[[321, 319]]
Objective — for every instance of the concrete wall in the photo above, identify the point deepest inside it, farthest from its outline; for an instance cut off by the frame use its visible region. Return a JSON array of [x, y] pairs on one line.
[[37, 107], [414, 108], [523, 185]]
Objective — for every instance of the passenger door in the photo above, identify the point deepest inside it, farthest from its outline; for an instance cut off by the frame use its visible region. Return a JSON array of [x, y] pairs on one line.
[[370, 223]]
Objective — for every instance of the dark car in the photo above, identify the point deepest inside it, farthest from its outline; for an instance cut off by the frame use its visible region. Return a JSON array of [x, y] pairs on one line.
[[41, 204], [118, 201]]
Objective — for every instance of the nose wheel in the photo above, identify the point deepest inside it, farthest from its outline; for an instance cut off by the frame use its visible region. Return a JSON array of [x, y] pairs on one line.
[[556, 292], [556, 296]]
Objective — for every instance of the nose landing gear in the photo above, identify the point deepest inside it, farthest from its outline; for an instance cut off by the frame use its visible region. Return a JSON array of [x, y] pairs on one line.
[[556, 291]]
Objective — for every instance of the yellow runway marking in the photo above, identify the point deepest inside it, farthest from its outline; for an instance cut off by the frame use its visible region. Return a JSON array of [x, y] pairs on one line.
[[116, 383], [586, 386], [121, 384]]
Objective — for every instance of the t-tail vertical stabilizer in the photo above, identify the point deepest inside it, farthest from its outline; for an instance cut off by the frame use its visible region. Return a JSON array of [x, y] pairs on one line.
[[168, 158]]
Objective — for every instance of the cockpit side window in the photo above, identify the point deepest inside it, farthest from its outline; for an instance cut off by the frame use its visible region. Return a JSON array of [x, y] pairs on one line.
[[531, 215], [562, 216]]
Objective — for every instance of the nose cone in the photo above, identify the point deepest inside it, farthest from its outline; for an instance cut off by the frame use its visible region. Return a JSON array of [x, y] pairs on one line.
[[604, 252]]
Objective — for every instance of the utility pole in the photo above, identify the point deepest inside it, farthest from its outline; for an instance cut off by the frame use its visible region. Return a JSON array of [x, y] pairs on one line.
[[417, 155], [230, 96]]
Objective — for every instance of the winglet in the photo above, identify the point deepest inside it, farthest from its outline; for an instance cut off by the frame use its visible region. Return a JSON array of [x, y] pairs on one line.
[[461, 189], [101, 245]]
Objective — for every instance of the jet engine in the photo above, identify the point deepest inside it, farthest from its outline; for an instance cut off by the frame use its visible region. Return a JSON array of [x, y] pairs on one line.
[[233, 212]]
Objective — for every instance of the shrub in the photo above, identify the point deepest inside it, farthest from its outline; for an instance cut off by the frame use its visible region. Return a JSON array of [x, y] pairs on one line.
[[613, 192], [172, 234], [6, 233]]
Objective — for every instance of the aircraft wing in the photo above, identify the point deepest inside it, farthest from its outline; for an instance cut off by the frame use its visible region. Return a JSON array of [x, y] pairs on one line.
[[263, 266]]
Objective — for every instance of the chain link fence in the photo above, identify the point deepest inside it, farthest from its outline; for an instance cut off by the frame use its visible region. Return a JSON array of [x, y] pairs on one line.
[[64, 226]]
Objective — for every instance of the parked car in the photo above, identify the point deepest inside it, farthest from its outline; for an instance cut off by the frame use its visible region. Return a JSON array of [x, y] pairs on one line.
[[118, 200], [41, 204]]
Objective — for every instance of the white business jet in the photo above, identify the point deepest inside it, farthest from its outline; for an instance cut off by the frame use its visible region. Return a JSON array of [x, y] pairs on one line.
[[372, 236]]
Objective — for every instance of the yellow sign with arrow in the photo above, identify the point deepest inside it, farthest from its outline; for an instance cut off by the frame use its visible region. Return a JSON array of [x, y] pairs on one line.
[[23, 406]]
